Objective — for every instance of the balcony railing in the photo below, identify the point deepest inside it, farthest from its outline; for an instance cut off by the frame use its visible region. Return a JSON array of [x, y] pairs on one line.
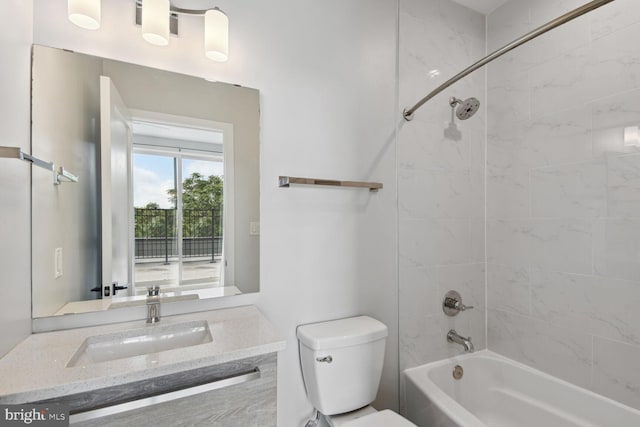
[[155, 233]]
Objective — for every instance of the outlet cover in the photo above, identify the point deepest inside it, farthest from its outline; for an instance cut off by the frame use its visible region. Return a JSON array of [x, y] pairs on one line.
[[57, 262]]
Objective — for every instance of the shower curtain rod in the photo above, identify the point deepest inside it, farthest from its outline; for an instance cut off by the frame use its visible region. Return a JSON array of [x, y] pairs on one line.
[[408, 112]]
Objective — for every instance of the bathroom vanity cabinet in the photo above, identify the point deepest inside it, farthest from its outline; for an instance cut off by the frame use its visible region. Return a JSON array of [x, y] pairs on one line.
[[235, 394], [226, 379]]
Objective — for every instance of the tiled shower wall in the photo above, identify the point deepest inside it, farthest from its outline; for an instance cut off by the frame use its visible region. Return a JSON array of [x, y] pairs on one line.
[[563, 195], [440, 181]]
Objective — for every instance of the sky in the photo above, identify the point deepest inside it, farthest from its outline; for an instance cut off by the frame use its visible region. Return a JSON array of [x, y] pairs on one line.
[[153, 176]]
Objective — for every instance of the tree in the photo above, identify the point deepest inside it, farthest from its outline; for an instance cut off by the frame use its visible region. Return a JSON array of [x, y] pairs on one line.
[[201, 204], [199, 192]]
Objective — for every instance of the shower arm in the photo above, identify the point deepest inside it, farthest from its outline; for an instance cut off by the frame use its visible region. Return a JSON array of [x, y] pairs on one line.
[[586, 8]]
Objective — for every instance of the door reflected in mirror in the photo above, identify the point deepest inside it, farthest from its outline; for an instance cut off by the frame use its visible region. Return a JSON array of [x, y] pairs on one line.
[[169, 185]]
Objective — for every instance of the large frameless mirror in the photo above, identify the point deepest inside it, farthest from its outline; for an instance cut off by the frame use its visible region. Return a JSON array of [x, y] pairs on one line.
[[167, 192]]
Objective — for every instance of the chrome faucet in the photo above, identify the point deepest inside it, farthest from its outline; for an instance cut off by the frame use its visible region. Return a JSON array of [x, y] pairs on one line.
[[153, 304], [453, 336]]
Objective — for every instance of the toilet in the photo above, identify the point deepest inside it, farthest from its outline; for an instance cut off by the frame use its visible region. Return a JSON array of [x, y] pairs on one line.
[[341, 366]]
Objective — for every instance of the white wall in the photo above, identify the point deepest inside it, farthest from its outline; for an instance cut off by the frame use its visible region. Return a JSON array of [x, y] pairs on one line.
[[563, 195], [66, 131], [440, 181], [15, 233], [326, 74]]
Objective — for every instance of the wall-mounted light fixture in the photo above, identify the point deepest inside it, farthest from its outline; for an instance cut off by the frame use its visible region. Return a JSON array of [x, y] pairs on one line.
[[159, 19]]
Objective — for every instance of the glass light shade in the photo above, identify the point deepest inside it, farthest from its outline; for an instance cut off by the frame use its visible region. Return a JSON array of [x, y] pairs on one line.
[[155, 21], [216, 35], [84, 13]]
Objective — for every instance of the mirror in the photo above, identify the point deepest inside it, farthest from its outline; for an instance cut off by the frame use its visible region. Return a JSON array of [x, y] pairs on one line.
[[167, 192]]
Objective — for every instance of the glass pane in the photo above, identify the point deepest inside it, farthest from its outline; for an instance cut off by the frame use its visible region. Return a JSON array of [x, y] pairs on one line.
[[202, 195], [155, 221]]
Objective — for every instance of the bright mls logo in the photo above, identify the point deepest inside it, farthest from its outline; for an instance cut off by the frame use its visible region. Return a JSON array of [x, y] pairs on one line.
[[36, 415]]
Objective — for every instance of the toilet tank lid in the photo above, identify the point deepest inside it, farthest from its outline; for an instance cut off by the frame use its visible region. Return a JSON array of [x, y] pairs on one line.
[[341, 332]]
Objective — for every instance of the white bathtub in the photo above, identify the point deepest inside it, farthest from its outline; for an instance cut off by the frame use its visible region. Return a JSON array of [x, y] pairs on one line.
[[498, 392]]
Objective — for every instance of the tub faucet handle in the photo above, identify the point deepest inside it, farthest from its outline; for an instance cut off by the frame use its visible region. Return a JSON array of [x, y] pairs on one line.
[[452, 304]]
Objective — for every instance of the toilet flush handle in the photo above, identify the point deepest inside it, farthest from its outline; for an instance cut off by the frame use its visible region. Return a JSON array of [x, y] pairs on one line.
[[327, 359]]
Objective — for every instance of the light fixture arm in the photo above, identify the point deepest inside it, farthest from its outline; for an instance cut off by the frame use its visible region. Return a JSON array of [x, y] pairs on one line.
[[180, 11]]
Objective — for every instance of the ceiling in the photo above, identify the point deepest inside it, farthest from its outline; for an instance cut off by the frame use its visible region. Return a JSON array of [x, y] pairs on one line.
[[483, 6]]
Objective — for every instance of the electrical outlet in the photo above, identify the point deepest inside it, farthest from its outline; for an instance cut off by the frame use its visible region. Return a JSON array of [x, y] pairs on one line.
[[254, 228], [57, 262]]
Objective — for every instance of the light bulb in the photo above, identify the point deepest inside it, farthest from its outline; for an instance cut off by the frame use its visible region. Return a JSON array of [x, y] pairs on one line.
[[216, 35], [155, 21], [84, 13]]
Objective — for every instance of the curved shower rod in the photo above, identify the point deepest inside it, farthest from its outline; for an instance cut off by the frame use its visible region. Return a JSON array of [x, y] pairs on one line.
[[586, 8]]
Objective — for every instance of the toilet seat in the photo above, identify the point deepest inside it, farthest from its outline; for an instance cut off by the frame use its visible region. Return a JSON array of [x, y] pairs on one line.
[[386, 418]]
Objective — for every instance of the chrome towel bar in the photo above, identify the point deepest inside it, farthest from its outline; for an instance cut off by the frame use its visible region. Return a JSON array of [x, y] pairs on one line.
[[17, 153], [285, 181]]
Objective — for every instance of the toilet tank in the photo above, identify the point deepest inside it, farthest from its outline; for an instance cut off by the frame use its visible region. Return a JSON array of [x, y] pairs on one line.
[[350, 380]]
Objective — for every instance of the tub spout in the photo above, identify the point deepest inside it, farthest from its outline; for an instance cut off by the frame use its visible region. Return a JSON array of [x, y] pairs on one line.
[[453, 336]]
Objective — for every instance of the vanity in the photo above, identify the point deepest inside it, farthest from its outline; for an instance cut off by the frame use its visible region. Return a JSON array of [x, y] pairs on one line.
[[215, 368]]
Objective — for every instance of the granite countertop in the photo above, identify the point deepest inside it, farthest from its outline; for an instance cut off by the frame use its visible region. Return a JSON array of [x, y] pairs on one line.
[[36, 369]]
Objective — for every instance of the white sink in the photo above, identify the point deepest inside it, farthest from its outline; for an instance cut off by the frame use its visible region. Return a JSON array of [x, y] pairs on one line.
[[138, 342]]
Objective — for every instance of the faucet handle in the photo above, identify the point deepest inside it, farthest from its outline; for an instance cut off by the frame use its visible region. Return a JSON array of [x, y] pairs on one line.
[[461, 307], [452, 304]]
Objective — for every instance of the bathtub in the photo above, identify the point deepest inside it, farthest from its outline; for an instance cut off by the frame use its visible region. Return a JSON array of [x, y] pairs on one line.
[[498, 392]]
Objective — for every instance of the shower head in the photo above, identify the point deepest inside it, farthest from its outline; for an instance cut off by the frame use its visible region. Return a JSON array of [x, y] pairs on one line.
[[466, 108]]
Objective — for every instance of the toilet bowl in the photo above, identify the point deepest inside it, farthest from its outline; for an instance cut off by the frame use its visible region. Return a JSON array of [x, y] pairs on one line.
[[341, 367]]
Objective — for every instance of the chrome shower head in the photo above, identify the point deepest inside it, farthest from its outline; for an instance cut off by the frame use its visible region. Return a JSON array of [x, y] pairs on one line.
[[466, 108]]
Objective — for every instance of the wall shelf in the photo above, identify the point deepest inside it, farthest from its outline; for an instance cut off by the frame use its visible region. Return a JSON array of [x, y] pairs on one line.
[[286, 181]]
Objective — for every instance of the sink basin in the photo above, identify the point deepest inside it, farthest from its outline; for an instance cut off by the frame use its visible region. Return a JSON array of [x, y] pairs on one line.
[[138, 342]]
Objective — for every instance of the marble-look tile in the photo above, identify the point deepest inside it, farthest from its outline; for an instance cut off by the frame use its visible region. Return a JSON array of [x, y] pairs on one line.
[[419, 291], [437, 194], [577, 191], [560, 352], [543, 11], [445, 14], [467, 279], [509, 242], [509, 97], [507, 23], [587, 303], [617, 248], [422, 289], [563, 39], [558, 138], [508, 195], [562, 245], [616, 111], [623, 185], [615, 372], [505, 148], [555, 245], [614, 64], [422, 146], [424, 339], [614, 17], [427, 242], [508, 289], [478, 238], [561, 83], [611, 116], [426, 61]]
